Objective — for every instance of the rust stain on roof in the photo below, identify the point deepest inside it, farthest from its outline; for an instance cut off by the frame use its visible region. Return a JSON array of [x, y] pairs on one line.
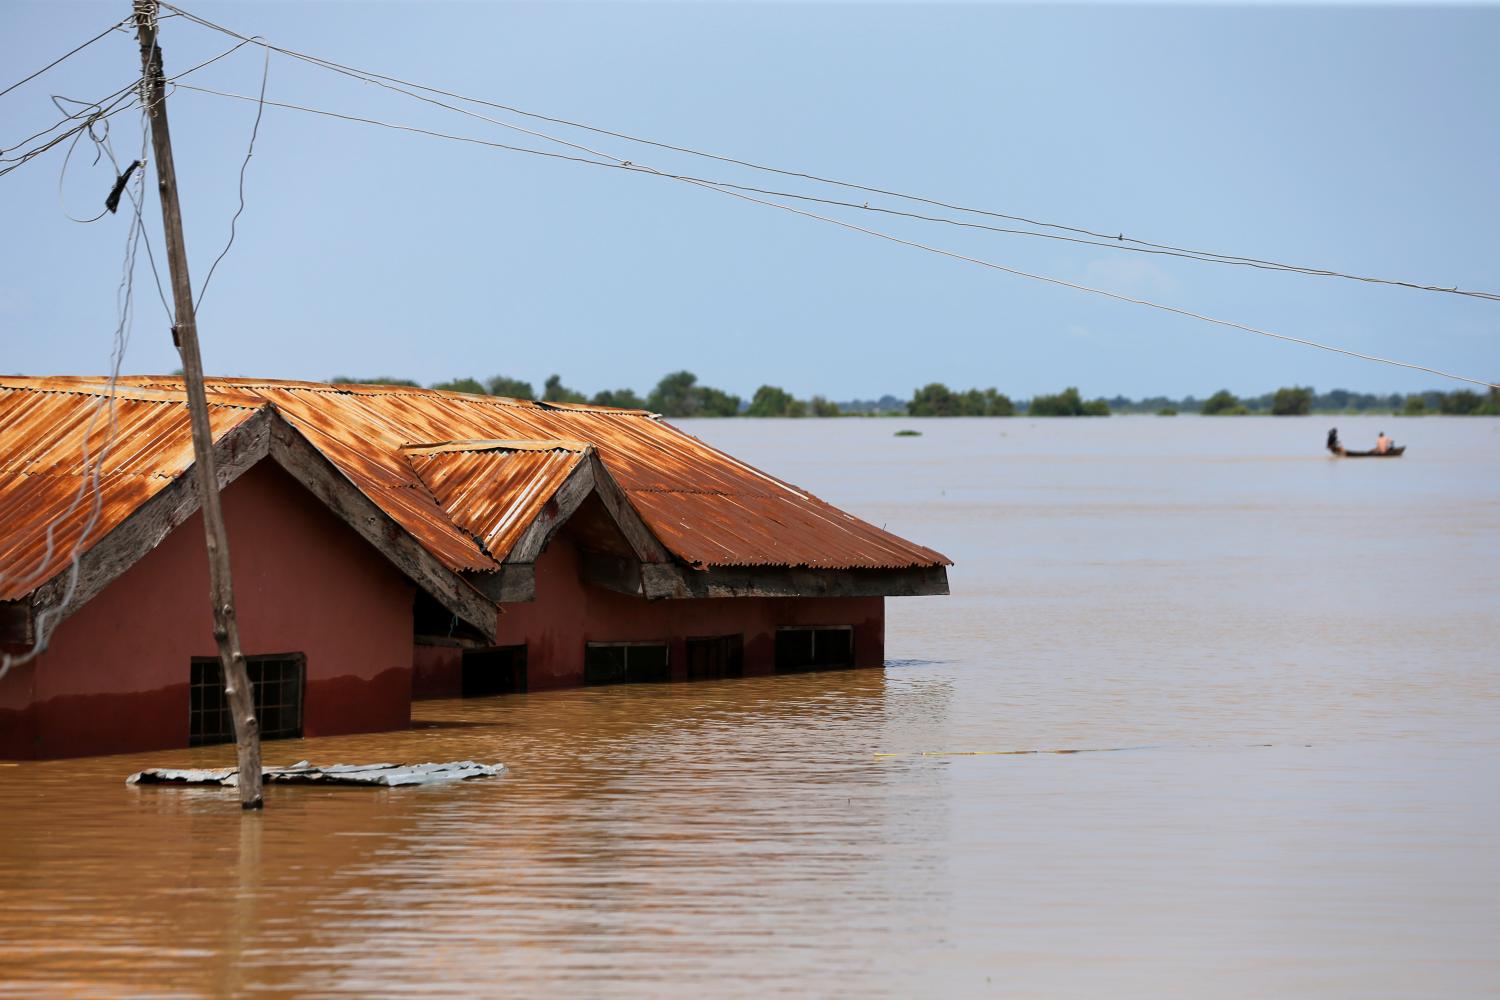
[[492, 494], [463, 474], [47, 426]]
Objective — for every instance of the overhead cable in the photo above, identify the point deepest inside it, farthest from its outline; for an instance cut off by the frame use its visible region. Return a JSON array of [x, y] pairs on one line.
[[632, 167], [92, 464], [260, 109], [63, 57], [1116, 241]]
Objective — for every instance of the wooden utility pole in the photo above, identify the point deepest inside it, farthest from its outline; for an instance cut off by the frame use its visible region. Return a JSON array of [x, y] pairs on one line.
[[185, 334]]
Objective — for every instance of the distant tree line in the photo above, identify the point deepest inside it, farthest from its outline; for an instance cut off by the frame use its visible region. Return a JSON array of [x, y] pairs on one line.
[[1292, 401], [681, 395], [676, 395]]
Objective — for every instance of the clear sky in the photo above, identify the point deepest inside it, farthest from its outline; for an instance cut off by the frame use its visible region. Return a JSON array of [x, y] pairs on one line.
[[1359, 138]]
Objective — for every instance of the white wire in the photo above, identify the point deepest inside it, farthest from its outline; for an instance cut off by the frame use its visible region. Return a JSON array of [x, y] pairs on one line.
[[633, 167], [93, 467], [1119, 242]]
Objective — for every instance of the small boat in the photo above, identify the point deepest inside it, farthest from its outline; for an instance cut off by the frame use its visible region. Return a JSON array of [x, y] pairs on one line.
[[1337, 447], [1388, 453]]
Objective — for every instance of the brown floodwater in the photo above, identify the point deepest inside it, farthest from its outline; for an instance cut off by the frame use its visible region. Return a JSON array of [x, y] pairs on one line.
[[1289, 661]]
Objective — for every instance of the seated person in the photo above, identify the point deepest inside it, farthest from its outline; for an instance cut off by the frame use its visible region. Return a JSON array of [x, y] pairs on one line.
[[1382, 444]]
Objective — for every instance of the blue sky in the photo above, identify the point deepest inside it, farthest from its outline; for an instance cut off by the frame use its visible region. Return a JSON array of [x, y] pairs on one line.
[[1357, 138]]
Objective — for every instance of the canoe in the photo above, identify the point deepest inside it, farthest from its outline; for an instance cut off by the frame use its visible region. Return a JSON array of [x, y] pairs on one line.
[[1389, 453]]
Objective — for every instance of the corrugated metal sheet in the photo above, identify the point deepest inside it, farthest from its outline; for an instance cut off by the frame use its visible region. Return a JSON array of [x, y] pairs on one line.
[[459, 472], [44, 425], [494, 493]]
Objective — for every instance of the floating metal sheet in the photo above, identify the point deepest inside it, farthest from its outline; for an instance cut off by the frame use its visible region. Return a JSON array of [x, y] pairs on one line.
[[303, 773]]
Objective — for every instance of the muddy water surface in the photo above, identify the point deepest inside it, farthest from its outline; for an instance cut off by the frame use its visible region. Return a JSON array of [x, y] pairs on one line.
[[1288, 662]]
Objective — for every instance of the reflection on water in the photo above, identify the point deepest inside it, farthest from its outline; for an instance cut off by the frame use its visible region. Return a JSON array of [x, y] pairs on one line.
[[1299, 652]]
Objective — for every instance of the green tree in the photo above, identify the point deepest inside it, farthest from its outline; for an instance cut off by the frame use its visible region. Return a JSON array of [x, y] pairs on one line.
[[1292, 401], [461, 385], [1415, 406], [772, 401], [553, 391], [998, 404], [1067, 403], [377, 380], [1462, 402], [1223, 404], [821, 407], [623, 399], [717, 403], [680, 395], [511, 388], [934, 400]]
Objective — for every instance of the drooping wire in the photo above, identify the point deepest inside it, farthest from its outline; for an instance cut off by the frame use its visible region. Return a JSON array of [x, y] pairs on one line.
[[260, 109], [632, 167], [90, 113], [1115, 241], [90, 482]]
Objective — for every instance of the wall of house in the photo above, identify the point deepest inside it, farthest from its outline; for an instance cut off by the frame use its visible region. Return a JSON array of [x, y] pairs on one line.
[[567, 613], [115, 677]]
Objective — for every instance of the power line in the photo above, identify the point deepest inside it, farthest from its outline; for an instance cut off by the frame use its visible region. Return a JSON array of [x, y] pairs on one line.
[[90, 114], [249, 152], [1116, 241], [61, 58], [711, 186]]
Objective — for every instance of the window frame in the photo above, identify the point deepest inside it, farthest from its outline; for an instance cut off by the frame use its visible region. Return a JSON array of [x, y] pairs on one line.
[[735, 667], [812, 664], [664, 645], [199, 690], [518, 662]]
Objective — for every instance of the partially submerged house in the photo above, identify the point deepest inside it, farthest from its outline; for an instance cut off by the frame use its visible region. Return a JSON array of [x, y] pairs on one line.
[[396, 543]]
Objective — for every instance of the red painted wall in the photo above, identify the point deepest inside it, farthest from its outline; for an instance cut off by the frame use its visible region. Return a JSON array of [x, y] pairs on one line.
[[568, 613], [115, 677]]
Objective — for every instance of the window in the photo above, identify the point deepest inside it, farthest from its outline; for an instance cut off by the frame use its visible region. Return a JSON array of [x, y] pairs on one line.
[[625, 662], [496, 670], [276, 683], [822, 647], [715, 657]]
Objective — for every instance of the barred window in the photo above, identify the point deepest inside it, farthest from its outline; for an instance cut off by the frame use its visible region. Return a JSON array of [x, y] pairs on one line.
[[715, 656], [820, 647], [625, 662], [494, 670], [276, 683]]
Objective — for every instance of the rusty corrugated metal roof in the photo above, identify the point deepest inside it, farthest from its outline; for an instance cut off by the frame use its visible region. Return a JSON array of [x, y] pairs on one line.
[[44, 426], [494, 493], [458, 472]]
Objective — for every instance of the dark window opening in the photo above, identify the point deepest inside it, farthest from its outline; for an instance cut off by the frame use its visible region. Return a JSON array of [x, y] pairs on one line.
[[496, 670], [715, 657], [276, 684], [625, 663], [818, 648]]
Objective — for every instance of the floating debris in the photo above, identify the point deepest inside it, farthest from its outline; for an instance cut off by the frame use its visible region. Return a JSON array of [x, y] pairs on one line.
[[303, 773], [908, 434]]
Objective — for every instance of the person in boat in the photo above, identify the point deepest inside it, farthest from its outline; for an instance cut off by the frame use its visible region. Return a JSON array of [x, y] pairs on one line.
[[1382, 444], [1333, 441]]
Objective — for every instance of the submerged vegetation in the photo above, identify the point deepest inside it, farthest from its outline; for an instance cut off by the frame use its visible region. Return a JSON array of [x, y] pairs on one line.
[[680, 394]]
